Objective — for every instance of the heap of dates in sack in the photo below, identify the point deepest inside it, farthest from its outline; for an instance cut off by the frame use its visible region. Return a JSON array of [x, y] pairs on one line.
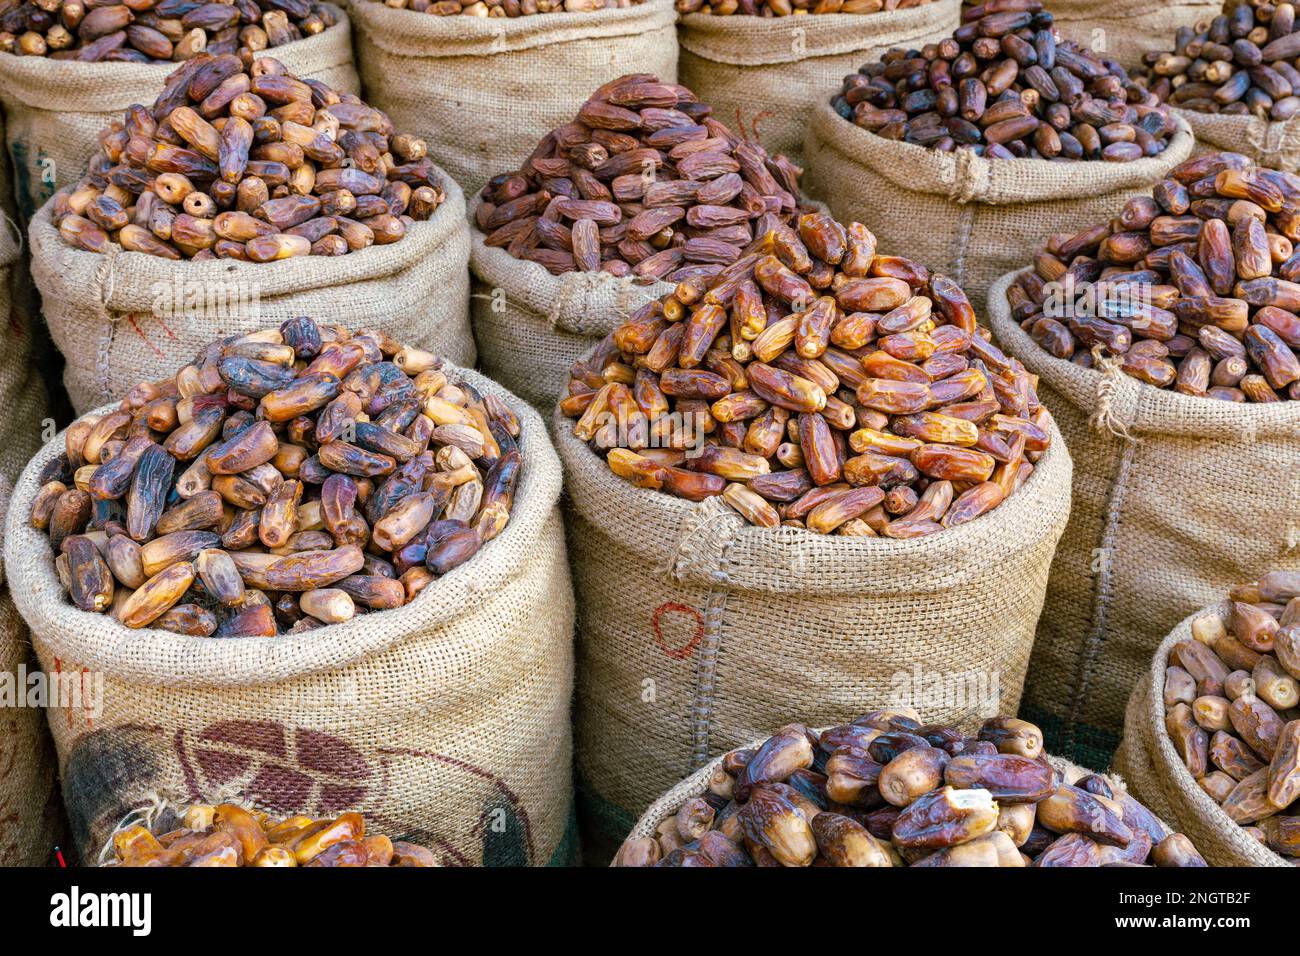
[[230, 835], [644, 182], [245, 161], [887, 790], [289, 478], [155, 31], [817, 384], [1195, 287], [1242, 64], [1003, 86], [1232, 709]]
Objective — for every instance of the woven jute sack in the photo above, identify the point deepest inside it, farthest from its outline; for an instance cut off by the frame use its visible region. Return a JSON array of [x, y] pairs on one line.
[[762, 75], [28, 802], [1276, 145], [968, 217], [697, 632], [483, 91], [121, 318], [1159, 778], [1123, 30], [22, 392], [56, 108], [530, 325], [698, 783], [1176, 499], [445, 721]]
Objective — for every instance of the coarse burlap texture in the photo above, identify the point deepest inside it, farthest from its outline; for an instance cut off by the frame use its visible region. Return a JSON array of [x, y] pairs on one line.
[[56, 108], [1124, 30], [28, 803], [445, 721], [1276, 145], [970, 218], [121, 318], [1176, 499], [698, 783], [8, 205], [1159, 778], [484, 91], [697, 632], [22, 392], [763, 75], [530, 326]]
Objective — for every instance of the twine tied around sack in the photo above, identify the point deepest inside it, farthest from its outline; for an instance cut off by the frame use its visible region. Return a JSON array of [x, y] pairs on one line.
[[970, 176], [1105, 417], [106, 276], [687, 549], [576, 288]]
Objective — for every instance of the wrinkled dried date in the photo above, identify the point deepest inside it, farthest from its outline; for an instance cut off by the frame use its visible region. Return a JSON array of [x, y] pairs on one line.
[[1240, 738], [767, 385], [1005, 86], [337, 474], [808, 798], [643, 183], [243, 161], [155, 31], [1193, 288]]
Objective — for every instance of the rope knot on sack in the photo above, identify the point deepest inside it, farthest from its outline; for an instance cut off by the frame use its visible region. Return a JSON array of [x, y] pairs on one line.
[[569, 310], [1105, 417], [693, 550], [106, 274], [970, 176]]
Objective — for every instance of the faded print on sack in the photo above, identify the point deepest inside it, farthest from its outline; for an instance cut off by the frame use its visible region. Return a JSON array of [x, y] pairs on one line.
[[286, 770]]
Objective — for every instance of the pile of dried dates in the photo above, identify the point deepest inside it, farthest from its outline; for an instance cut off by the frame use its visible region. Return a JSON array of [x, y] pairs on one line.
[[887, 790], [288, 479], [644, 182], [245, 161], [816, 384]]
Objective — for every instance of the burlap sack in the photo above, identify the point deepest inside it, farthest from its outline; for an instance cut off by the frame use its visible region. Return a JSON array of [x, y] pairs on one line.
[[530, 326], [698, 632], [125, 317], [445, 721], [28, 803], [483, 91], [763, 75], [1159, 778], [22, 393], [1176, 499], [56, 108], [1269, 144], [698, 783], [1123, 30], [970, 218], [8, 205]]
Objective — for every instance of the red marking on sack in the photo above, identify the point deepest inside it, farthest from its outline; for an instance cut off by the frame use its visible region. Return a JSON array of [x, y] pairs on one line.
[[85, 701], [170, 333], [762, 114], [130, 316], [58, 669], [677, 653]]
